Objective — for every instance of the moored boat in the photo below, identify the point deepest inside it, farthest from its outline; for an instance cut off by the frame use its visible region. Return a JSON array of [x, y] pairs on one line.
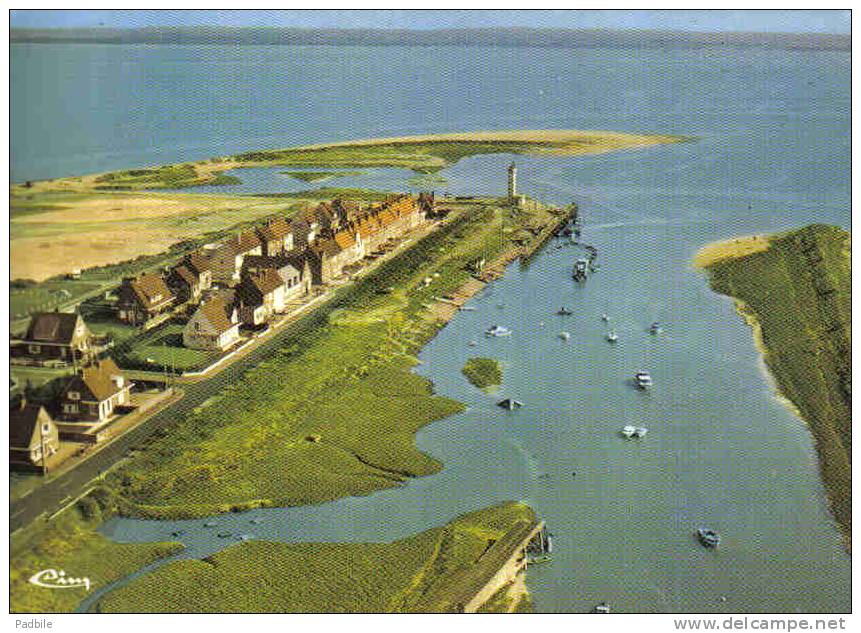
[[643, 379], [497, 330], [708, 537]]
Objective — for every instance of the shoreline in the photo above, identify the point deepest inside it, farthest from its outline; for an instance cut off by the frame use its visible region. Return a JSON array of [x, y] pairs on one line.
[[809, 387]]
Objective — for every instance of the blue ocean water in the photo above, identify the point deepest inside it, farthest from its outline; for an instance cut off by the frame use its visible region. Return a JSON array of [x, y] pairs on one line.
[[772, 152]]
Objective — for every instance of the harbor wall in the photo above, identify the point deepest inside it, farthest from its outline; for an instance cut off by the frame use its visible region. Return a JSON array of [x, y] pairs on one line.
[[500, 565]]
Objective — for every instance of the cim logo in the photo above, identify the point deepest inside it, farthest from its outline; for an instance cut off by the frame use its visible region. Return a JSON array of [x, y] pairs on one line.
[[54, 579]]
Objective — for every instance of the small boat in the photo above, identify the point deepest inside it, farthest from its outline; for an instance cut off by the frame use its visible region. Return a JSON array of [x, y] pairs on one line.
[[605, 318], [602, 608], [643, 379], [468, 308], [581, 269], [655, 328], [708, 538], [210, 524], [497, 330], [510, 403], [245, 537], [224, 534], [177, 533], [611, 336], [473, 343], [564, 335], [563, 311], [254, 521], [633, 431]]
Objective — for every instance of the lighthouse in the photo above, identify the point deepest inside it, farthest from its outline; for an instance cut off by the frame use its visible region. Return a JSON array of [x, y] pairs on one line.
[[512, 183]]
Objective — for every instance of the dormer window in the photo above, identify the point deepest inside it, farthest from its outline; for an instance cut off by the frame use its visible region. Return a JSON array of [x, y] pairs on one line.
[[74, 395], [119, 381], [46, 428]]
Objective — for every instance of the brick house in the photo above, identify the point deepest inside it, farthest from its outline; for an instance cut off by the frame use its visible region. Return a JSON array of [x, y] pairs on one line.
[[184, 284], [276, 237], [214, 326], [329, 256], [30, 429], [55, 336], [143, 297], [91, 396], [293, 269], [227, 258], [261, 296]]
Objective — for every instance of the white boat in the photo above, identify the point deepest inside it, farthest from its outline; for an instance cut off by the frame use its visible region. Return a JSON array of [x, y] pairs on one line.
[[612, 337], [510, 403], [564, 335], [497, 330], [602, 608], [630, 431], [605, 318], [655, 328], [468, 308], [643, 379]]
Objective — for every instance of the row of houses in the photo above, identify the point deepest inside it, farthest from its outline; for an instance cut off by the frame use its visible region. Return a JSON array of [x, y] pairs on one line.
[[87, 402], [243, 281], [254, 275]]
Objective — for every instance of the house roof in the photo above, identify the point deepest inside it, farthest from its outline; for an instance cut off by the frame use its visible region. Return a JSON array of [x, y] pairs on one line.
[[94, 382], [326, 246], [253, 287], [197, 261], [279, 263], [52, 327], [217, 311], [344, 239], [150, 289], [23, 424], [277, 229], [243, 242], [296, 258], [186, 274]]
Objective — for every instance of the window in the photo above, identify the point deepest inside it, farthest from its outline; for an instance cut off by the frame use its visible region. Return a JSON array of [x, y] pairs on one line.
[[70, 408], [34, 349], [74, 395], [46, 428]]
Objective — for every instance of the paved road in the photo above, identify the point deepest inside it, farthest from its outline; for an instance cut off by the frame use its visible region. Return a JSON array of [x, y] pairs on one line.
[[51, 496], [54, 494]]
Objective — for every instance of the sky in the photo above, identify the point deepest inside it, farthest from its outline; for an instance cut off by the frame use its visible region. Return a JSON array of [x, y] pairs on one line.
[[802, 21]]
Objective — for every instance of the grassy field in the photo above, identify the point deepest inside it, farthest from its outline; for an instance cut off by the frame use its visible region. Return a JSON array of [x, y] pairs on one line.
[[60, 225], [483, 372], [161, 348], [797, 294], [332, 414], [409, 575], [70, 543]]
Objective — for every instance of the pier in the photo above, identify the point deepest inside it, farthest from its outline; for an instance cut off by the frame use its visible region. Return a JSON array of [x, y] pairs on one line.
[[499, 565]]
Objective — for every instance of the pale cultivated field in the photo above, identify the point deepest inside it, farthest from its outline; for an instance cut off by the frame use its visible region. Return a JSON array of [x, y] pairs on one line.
[[60, 225]]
